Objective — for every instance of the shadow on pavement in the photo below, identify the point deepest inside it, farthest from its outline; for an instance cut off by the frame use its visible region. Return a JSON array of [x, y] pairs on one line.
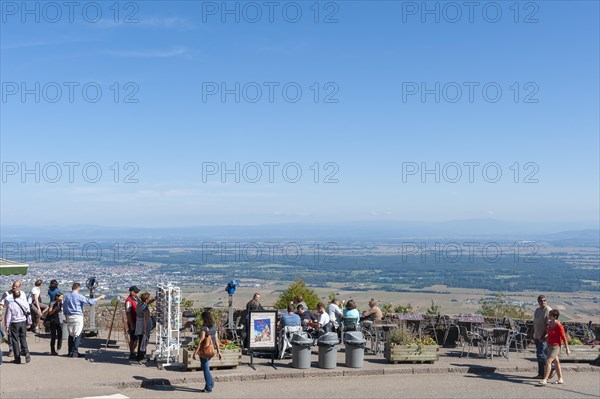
[[162, 384]]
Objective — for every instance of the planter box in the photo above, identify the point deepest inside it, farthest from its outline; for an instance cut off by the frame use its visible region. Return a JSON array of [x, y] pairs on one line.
[[580, 353], [231, 358], [408, 353]]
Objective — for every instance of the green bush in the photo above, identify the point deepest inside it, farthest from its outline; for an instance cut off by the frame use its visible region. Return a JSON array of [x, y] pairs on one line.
[[499, 307], [387, 308], [408, 309], [298, 287], [186, 303]]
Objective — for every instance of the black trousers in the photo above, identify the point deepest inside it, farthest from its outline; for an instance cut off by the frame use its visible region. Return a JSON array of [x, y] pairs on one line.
[[18, 336], [55, 334]]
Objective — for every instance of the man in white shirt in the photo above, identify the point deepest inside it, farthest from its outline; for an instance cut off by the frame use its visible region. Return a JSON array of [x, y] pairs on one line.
[[18, 319], [6, 299], [323, 323]]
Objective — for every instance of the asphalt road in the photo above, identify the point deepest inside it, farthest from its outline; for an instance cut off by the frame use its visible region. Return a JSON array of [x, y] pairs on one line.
[[504, 386]]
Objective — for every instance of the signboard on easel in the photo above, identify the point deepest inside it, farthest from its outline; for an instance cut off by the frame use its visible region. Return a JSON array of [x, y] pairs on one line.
[[263, 334]]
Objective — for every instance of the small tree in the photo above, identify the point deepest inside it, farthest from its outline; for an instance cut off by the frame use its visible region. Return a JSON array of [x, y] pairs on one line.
[[298, 287], [433, 310]]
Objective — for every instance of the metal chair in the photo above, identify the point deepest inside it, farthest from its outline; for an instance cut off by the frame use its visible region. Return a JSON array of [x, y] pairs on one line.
[[468, 338], [519, 337], [501, 342], [350, 324]]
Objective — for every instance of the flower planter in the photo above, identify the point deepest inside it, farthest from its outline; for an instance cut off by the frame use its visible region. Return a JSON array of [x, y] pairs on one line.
[[580, 353], [411, 353], [230, 358]]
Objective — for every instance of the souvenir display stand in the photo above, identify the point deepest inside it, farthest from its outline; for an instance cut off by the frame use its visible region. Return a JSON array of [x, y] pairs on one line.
[[168, 325]]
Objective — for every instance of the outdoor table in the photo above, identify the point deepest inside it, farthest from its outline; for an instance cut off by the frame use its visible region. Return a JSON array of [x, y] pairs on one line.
[[487, 334], [470, 320]]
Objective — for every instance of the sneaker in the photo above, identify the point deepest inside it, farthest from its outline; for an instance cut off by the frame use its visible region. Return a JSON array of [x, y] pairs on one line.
[[27, 358], [542, 382], [552, 372]]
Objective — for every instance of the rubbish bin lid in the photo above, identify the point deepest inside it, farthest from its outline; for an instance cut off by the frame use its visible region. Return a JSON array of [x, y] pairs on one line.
[[328, 339], [354, 338], [298, 339]]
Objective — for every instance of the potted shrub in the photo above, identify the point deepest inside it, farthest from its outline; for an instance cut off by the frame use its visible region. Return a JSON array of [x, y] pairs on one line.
[[403, 346], [230, 351], [581, 352]]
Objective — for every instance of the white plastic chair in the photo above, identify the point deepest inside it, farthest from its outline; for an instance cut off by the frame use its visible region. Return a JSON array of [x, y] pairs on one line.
[[285, 337]]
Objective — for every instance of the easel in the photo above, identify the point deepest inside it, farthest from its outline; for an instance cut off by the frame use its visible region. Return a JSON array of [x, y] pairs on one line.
[[262, 351], [123, 325], [261, 354]]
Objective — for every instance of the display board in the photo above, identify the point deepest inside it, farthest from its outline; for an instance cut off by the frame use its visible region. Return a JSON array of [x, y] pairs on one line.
[[263, 331]]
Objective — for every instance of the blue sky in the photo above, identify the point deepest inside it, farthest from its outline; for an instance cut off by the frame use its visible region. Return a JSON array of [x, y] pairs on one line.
[[369, 57]]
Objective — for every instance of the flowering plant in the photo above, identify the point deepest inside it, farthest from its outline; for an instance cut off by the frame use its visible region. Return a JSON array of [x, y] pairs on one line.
[[225, 344]]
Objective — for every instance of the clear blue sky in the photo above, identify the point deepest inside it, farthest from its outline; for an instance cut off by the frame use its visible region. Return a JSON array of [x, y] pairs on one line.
[[368, 56]]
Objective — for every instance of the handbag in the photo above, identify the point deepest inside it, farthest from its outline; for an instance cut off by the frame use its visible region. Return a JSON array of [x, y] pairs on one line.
[[207, 350]]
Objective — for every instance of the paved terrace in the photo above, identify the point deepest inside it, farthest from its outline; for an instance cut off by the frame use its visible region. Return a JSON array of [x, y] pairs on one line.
[[111, 368]]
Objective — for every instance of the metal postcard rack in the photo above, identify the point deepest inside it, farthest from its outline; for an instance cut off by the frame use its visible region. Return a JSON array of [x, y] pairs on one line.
[[168, 323]]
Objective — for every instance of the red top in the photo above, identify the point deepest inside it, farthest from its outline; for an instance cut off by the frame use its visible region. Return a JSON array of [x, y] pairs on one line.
[[556, 334], [133, 303]]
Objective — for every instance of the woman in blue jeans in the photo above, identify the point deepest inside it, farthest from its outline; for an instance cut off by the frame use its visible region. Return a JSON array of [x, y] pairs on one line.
[[208, 328]]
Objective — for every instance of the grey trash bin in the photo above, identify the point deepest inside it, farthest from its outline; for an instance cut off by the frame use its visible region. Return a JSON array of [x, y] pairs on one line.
[[301, 351], [355, 348], [327, 344]]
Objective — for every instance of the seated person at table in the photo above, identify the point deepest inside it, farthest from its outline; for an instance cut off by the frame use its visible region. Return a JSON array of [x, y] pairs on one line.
[[299, 300], [323, 323], [290, 319], [335, 313], [373, 314], [305, 315], [350, 312]]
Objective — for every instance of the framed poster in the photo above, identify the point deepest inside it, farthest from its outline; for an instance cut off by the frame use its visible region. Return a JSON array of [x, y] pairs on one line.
[[263, 331]]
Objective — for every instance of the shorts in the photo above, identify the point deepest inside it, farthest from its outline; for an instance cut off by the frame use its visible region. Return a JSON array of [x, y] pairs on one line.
[[553, 352]]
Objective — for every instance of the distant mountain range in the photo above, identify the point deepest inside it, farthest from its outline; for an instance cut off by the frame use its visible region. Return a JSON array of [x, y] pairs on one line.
[[390, 230]]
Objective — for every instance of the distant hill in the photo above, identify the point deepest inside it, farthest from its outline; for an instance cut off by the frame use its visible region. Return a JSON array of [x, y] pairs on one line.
[[361, 230]]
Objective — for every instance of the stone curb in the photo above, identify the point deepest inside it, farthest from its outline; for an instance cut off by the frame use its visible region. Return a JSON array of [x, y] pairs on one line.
[[343, 372]]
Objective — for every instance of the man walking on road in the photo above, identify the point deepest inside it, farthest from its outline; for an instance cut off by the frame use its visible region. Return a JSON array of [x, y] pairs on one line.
[[540, 322], [73, 310]]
